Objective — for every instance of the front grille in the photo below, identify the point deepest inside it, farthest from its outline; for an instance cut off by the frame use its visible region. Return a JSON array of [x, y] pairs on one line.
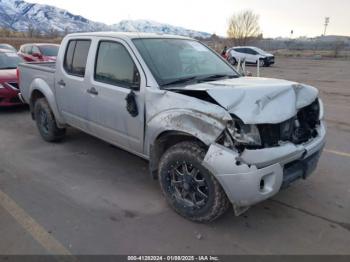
[[13, 85], [297, 130]]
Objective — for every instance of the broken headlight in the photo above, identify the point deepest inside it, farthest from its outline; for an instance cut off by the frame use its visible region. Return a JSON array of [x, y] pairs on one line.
[[245, 134]]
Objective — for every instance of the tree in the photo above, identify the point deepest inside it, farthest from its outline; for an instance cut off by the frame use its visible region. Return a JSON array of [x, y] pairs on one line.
[[30, 31], [243, 27]]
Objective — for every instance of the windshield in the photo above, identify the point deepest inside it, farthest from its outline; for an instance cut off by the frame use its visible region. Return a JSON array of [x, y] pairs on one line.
[[49, 50], [260, 51], [9, 60], [174, 60]]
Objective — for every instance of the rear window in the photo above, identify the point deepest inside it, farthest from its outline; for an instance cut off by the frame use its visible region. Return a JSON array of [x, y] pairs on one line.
[[76, 56], [49, 50]]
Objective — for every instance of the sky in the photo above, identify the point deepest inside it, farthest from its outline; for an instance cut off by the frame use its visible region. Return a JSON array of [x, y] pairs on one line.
[[277, 17]]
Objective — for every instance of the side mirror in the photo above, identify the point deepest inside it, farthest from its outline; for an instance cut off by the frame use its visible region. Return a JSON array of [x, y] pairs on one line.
[[131, 105]]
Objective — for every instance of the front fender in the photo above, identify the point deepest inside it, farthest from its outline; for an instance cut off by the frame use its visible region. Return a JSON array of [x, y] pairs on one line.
[[44, 88], [198, 124]]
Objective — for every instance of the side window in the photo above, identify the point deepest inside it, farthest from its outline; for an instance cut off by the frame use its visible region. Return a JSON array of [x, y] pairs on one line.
[[252, 52], [28, 50], [67, 64], [35, 50], [76, 57], [115, 66]]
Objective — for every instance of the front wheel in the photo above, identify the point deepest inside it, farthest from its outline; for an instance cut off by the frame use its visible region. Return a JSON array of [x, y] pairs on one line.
[[190, 189], [232, 61], [46, 122], [261, 62]]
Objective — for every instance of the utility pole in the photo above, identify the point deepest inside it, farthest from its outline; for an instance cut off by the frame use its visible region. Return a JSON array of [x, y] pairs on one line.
[[326, 23]]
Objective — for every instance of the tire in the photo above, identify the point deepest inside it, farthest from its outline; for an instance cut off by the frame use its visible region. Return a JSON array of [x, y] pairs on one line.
[[261, 62], [46, 123], [195, 195], [232, 61]]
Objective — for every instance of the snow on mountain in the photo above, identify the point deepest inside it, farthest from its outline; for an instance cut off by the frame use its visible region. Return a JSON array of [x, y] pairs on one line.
[[19, 15], [147, 26]]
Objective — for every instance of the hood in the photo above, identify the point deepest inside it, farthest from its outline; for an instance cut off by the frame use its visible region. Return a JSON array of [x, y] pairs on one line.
[[8, 75], [257, 100], [267, 54]]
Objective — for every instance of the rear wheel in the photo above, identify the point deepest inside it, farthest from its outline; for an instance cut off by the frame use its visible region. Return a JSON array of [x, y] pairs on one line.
[[190, 189], [46, 122]]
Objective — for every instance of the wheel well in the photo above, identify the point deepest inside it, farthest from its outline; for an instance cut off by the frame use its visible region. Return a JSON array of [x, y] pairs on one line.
[[35, 96], [163, 142]]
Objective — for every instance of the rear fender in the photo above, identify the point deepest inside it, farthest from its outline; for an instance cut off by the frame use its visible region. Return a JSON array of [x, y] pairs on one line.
[[41, 86]]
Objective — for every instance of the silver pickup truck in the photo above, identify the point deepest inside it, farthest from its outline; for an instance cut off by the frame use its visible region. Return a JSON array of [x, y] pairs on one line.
[[212, 137]]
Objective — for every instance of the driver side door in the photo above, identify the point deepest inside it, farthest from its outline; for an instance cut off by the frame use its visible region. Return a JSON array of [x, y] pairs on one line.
[[116, 78]]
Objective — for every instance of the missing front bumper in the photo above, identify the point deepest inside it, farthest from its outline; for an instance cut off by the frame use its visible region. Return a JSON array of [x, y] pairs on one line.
[[258, 175]]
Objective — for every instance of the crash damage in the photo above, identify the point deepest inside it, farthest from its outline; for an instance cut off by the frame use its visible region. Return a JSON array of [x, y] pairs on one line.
[[262, 134]]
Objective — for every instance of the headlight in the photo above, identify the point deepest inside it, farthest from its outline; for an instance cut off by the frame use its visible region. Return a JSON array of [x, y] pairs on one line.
[[245, 134], [320, 103]]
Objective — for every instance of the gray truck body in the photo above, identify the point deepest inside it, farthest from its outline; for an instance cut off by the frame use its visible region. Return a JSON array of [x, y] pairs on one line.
[[247, 175]]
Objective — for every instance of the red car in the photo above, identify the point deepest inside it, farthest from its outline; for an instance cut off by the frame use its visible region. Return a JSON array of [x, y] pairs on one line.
[[8, 78], [39, 52]]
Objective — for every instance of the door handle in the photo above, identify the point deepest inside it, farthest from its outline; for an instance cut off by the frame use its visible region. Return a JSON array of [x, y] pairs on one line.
[[61, 83], [92, 91]]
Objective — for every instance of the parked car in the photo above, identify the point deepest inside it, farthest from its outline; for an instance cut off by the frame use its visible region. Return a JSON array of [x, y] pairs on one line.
[[252, 55], [39, 52], [211, 136], [9, 90], [8, 47]]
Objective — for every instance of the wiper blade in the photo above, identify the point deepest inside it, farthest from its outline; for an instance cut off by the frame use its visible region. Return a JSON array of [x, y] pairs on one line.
[[180, 81], [215, 77]]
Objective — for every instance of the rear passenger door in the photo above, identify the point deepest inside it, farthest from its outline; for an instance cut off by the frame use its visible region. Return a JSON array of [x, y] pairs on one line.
[[71, 83], [115, 76]]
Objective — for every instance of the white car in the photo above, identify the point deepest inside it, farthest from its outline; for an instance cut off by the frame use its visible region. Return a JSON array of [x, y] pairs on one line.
[[252, 55]]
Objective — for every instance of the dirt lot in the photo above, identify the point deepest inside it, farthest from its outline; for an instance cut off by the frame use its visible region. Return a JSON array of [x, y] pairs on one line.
[[83, 196]]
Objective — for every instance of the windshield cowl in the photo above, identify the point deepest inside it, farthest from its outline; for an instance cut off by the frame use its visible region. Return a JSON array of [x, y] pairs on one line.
[[197, 80]]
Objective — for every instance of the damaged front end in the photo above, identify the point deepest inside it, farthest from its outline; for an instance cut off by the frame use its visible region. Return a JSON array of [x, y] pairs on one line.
[[261, 134], [254, 162]]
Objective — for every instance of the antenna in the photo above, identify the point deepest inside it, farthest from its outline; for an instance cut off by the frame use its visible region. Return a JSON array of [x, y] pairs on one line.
[[326, 23]]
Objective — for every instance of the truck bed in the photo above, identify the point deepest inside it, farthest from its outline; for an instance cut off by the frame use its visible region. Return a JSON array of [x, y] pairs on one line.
[[30, 73], [46, 66]]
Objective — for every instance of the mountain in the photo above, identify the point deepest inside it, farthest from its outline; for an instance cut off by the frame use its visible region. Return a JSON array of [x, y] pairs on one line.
[[147, 26], [19, 15]]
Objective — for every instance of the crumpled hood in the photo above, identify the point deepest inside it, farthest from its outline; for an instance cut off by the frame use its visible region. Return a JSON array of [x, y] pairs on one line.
[[259, 100]]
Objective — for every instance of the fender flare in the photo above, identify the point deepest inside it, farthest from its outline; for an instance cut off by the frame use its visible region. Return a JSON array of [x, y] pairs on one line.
[[40, 85], [203, 127]]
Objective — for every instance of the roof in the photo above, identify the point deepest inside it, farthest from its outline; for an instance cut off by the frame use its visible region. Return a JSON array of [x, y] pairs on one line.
[[244, 47], [2, 50], [128, 35], [40, 44]]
